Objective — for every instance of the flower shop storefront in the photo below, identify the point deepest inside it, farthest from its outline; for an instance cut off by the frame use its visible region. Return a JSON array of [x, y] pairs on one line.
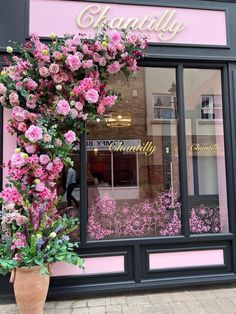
[[154, 188]]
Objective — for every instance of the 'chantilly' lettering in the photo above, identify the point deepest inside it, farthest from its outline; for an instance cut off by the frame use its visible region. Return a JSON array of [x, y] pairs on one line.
[[165, 25], [147, 148]]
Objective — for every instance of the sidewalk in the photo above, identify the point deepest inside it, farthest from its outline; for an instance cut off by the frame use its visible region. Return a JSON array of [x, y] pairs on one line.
[[215, 300]]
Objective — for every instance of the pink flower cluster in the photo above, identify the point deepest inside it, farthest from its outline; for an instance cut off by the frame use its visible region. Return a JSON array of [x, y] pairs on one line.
[[146, 218]]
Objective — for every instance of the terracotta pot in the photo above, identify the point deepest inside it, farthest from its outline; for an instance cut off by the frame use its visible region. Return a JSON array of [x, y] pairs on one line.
[[31, 288]]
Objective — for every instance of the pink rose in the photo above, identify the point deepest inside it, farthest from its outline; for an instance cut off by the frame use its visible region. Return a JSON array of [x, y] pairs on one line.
[[57, 78], [87, 64], [49, 166], [101, 109], [91, 96], [30, 148], [18, 160], [22, 127], [115, 37], [102, 61], [54, 68], [73, 113], [73, 62], [57, 55], [79, 106], [34, 133], [113, 67], [2, 89], [133, 38], [3, 100], [40, 187], [44, 72], [18, 85], [38, 172], [47, 138], [70, 137], [31, 84], [19, 114], [31, 101], [14, 99], [63, 107], [44, 159], [96, 57]]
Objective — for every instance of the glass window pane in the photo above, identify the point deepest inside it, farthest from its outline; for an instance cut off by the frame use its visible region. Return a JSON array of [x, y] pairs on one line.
[[139, 194], [205, 151]]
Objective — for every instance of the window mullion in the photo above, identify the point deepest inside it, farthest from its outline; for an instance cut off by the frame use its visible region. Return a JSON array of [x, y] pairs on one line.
[[182, 151]]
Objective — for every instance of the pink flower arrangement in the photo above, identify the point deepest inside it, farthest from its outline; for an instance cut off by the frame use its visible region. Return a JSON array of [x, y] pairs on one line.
[[52, 90]]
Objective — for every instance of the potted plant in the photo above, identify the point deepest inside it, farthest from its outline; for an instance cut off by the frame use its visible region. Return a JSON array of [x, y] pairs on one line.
[[52, 89]]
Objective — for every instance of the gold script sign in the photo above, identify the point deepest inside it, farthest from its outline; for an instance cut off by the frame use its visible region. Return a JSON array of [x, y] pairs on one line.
[[206, 148], [147, 148], [165, 25]]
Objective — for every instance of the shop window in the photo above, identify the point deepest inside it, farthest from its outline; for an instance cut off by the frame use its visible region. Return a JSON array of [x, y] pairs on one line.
[[136, 194], [205, 151]]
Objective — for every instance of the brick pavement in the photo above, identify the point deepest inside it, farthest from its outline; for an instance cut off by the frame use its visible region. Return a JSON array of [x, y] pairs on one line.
[[215, 300]]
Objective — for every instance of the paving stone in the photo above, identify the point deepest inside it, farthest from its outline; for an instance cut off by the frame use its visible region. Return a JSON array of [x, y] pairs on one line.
[[147, 309], [181, 296], [64, 304], [160, 297], [79, 311], [203, 295], [179, 307], [212, 307], [116, 308], [50, 305], [97, 310], [224, 293], [118, 300], [80, 303], [132, 309], [232, 300], [136, 300], [227, 305], [99, 302], [194, 307], [163, 308]]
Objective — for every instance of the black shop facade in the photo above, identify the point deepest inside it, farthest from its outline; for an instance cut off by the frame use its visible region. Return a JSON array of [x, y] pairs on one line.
[[156, 176]]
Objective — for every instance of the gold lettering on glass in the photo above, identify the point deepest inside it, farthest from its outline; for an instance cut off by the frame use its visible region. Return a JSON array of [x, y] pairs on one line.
[[147, 148], [206, 148]]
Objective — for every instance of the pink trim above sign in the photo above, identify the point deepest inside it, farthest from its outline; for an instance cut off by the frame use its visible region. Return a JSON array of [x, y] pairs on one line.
[[160, 24], [92, 266], [186, 259]]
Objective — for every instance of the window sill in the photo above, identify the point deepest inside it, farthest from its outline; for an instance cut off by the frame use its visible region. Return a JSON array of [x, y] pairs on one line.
[[163, 121]]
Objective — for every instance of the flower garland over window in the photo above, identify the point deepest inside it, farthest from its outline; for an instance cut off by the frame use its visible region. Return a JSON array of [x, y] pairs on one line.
[[52, 89]]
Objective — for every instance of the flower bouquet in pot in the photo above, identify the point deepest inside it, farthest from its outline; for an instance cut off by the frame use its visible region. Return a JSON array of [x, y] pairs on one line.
[[32, 235], [52, 89]]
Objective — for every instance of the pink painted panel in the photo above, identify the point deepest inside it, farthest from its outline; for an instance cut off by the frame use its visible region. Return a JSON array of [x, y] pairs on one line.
[[186, 259], [9, 142], [160, 24], [93, 265]]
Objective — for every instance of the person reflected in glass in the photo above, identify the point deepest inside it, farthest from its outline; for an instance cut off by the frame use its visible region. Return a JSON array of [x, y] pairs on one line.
[[70, 186]]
